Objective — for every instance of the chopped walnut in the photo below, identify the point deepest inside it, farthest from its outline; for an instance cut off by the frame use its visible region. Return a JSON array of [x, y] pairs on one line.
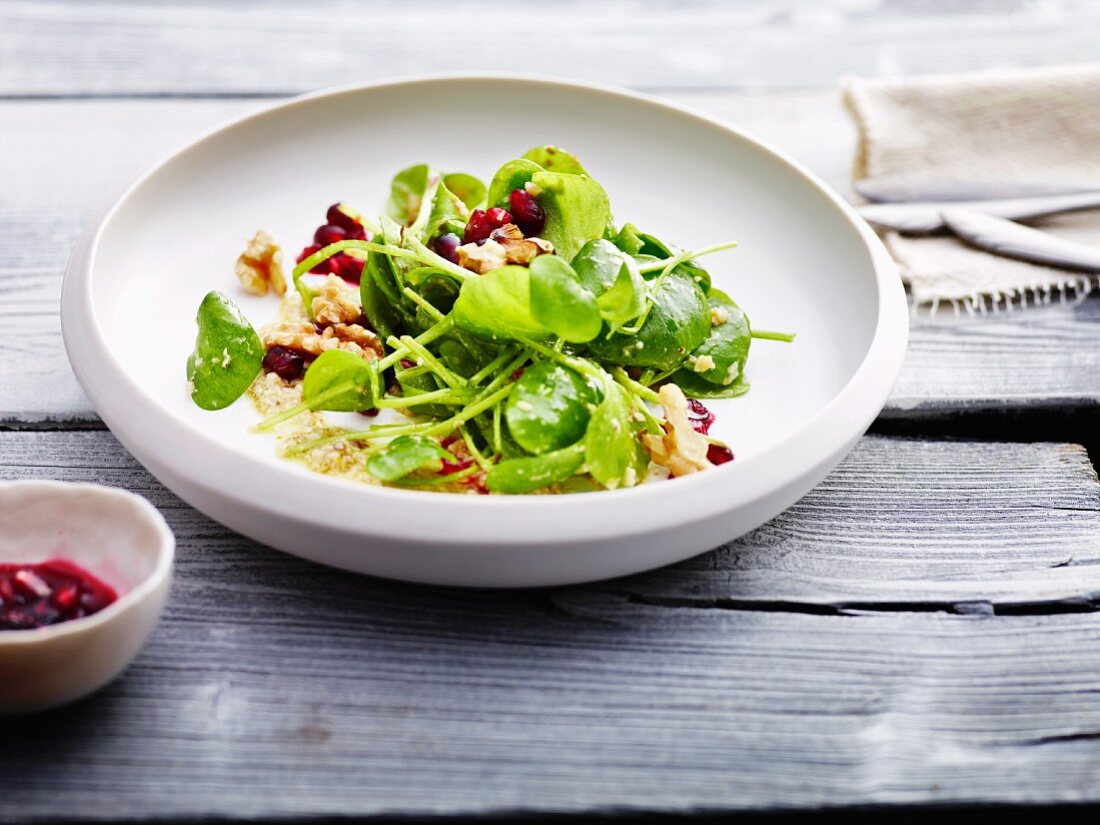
[[505, 245], [303, 337], [335, 303], [680, 448], [481, 259], [260, 266]]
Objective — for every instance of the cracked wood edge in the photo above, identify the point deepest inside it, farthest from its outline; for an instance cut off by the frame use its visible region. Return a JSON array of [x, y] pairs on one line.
[[1032, 360]]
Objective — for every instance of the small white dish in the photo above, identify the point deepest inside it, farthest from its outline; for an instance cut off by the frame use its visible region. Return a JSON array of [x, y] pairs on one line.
[[806, 263], [116, 536]]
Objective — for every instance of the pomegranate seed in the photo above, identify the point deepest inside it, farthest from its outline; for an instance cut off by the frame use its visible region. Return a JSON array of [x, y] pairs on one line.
[[478, 227], [323, 268], [455, 466], [446, 246], [499, 216], [528, 215], [337, 217], [407, 363], [30, 585], [481, 224], [284, 362], [700, 417], [719, 454], [329, 233], [43, 594], [66, 597], [347, 267]]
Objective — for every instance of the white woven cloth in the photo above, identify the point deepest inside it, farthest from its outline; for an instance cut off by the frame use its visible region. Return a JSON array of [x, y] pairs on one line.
[[1030, 126]]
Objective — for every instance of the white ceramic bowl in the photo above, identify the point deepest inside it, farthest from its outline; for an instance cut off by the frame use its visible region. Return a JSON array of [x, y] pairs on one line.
[[114, 535], [806, 263]]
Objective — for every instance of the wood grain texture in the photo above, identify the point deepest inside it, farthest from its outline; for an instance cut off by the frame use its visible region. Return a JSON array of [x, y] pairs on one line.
[[66, 47], [278, 688], [64, 163]]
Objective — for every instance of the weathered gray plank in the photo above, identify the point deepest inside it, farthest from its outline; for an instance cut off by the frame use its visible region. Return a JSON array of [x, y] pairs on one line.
[[932, 524], [62, 47], [283, 689], [1041, 356]]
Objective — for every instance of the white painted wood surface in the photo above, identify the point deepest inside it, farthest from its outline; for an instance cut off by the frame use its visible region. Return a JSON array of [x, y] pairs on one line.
[[921, 629]]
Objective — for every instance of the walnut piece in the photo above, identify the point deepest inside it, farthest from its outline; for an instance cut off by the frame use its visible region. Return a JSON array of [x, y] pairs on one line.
[[260, 266], [505, 245], [334, 303], [303, 337], [680, 448]]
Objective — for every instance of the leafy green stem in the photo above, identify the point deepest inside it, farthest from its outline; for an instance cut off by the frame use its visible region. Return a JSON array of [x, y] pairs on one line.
[[769, 335]]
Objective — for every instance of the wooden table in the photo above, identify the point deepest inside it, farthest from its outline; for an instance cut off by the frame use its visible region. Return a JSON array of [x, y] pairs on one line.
[[919, 630]]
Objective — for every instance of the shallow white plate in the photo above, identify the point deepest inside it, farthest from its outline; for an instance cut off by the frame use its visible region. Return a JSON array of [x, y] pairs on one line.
[[806, 263]]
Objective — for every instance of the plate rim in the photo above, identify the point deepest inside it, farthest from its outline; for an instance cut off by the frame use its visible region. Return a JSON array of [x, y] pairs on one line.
[[820, 442]]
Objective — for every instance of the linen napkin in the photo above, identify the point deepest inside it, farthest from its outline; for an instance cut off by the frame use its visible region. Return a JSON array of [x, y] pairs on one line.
[[1026, 126]]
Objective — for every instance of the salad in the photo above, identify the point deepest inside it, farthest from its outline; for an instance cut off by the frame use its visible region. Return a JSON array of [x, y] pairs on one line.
[[508, 338]]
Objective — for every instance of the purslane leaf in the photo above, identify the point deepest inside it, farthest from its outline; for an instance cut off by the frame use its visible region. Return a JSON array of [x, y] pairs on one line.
[[228, 354], [338, 381]]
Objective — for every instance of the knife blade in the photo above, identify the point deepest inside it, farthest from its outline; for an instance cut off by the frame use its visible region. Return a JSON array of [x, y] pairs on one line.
[[908, 190], [922, 218], [1012, 240]]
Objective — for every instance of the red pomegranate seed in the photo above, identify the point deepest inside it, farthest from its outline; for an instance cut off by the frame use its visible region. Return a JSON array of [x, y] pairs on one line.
[[329, 233], [323, 268], [719, 454], [446, 246], [482, 224], [347, 267], [478, 227], [700, 417], [498, 216], [455, 466], [284, 362], [528, 215], [337, 217], [36, 595]]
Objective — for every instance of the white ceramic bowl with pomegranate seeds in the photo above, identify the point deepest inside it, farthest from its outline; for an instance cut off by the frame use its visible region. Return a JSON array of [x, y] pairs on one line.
[[805, 263], [116, 537]]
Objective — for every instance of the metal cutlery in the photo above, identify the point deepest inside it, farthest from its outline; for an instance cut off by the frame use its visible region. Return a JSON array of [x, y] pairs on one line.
[[925, 217], [1003, 237]]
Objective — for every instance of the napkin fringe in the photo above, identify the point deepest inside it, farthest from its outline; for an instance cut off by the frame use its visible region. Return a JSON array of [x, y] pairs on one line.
[[1072, 290]]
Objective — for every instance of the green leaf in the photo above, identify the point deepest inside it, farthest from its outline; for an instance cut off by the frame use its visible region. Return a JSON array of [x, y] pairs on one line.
[[497, 306], [646, 246], [577, 210], [338, 381], [560, 303], [404, 455], [612, 276], [628, 240], [553, 159], [228, 354], [377, 306], [407, 192], [525, 475], [726, 348], [549, 407], [512, 175], [449, 213], [469, 189], [613, 454], [696, 387], [678, 322]]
